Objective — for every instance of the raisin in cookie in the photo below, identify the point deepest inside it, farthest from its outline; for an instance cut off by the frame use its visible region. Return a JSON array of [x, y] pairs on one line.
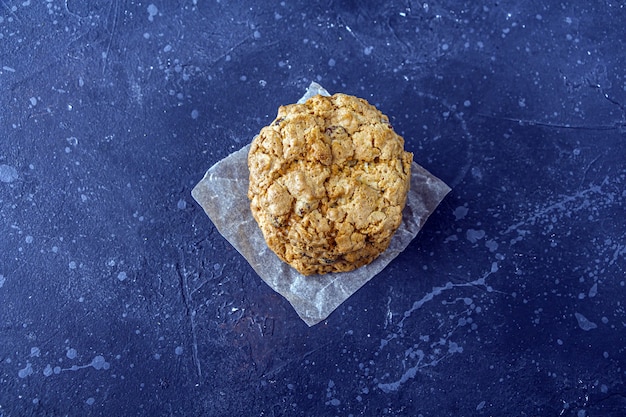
[[328, 182]]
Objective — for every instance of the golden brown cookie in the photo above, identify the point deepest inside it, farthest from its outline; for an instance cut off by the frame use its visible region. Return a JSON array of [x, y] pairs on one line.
[[328, 182]]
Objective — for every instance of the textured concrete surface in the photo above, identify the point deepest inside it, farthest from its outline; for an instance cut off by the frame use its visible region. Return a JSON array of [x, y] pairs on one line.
[[118, 296]]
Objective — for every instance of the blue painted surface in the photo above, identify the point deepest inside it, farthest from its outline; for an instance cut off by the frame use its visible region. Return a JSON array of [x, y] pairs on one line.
[[118, 296]]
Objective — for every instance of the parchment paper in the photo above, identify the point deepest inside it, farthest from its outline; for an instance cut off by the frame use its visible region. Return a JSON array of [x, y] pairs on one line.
[[223, 194]]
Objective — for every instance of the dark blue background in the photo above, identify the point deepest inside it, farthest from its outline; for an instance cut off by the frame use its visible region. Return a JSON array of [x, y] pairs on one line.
[[119, 297]]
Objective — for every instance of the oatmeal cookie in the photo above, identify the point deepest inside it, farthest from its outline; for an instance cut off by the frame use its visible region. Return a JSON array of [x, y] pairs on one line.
[[328, 182]]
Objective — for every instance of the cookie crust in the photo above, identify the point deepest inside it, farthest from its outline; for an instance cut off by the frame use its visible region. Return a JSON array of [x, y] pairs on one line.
[[328, 182]]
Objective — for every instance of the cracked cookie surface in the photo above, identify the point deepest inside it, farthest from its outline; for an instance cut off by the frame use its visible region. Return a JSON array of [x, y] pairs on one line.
[[328, 182]]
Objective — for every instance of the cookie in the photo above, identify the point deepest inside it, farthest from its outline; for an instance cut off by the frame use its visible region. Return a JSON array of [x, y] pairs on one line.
[[328, 182]]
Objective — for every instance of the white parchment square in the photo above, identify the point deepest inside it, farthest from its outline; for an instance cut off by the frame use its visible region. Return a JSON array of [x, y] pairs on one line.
[[223, 194]]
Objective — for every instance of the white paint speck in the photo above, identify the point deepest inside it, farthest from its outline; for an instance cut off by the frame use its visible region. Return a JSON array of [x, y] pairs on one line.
[[178, 350], [90, 401], [467, 103], [8, 173], [28, 239], [460, 212], [26, 371], [122, 276], [584, 323], [182, 204], [331, 62], [368, 50], [152, 11], [194, 114], [71, 353], [474, 235], [492, 245], [33, 101], [100, 363], [72, 265], [454, 347]]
